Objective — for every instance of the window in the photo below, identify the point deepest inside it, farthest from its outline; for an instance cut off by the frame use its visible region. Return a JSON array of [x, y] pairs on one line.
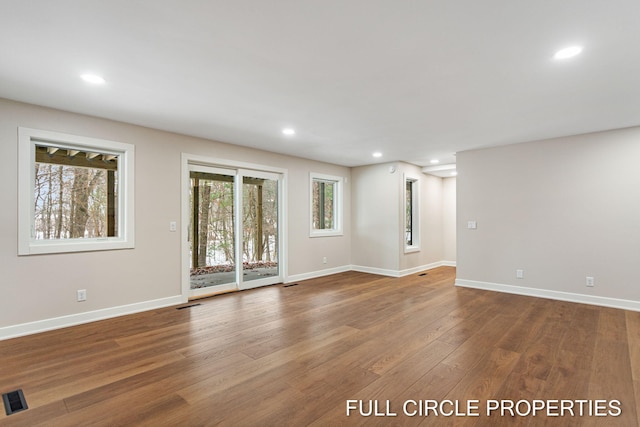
[[412, 217], [75, 193], [326, 205]]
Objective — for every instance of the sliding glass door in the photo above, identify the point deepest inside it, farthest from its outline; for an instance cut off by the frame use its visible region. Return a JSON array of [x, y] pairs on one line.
[[260, 228], [234, 239], [212, 228]]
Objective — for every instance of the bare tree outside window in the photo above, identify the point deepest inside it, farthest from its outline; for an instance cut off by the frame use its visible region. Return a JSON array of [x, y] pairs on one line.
[[323, 204], [411, 214], [74, 194], [212, 228]]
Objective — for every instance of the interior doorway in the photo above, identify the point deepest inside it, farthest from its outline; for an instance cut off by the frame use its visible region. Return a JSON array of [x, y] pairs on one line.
[[234, 236]]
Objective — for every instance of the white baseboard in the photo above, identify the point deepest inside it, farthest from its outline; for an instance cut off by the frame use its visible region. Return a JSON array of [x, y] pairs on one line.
[[402, 273], [371, 270], [89, 316], [549, 294], [374, 270], [410, 271], [319, 273]]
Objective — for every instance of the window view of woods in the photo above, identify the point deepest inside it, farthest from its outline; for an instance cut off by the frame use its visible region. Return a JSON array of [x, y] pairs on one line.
[[213, 215], [408, 205], [412, 215], [75, 194], [212, 229], [259, 220], [323, 204]]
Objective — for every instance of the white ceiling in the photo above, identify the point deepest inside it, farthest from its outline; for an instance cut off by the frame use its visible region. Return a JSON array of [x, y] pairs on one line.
[[414, 79]]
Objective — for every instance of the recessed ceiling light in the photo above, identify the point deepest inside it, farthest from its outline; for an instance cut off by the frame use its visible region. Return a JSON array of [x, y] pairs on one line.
[[568, 52], [93, 78], [434, 161], [377, 154], [288, 131]]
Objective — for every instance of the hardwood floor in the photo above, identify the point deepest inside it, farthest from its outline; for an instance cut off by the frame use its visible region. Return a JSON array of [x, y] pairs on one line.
[[293, 356]]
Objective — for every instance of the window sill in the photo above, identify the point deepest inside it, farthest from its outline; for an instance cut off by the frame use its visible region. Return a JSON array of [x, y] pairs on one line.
[[326, 233], [47, 247]]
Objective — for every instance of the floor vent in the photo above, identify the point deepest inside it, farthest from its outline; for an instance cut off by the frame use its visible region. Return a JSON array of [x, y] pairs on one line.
[[14, 402], [423, 274], [187, 306], [293, 284]]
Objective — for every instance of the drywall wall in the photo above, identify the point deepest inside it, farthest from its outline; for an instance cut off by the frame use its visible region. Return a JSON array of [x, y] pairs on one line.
[[41, 287], [430, 224], [378, 219], [560, 209], [449, 220], [375, 217]]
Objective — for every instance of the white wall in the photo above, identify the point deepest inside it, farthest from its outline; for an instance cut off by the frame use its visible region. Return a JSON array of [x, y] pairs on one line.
[[375, 217], [42, 288], [560, 209], [430, 219], [378, 219], [306, 254], [449, 220]]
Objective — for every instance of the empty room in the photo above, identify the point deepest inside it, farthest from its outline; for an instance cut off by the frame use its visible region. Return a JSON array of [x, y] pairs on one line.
[[336, 213]]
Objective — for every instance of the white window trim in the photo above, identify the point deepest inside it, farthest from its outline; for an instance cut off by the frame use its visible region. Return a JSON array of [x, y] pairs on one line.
[[27, 140], [338, 205], [415, 211]]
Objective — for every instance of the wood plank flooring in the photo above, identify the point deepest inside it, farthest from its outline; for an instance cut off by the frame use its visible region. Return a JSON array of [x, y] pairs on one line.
[[293, 356]]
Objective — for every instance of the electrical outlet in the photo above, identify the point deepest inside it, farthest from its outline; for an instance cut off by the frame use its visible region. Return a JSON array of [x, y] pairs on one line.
[[173, 226], [591, 282], [324, 260], [519, 273], [82, 295]]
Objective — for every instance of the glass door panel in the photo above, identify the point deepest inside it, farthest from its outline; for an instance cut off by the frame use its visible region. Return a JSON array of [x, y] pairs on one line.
[[260, 236], [235, 238], [212, 230]]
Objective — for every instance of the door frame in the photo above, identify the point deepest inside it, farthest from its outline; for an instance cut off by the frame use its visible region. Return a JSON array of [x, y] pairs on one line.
[[193, 159]]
